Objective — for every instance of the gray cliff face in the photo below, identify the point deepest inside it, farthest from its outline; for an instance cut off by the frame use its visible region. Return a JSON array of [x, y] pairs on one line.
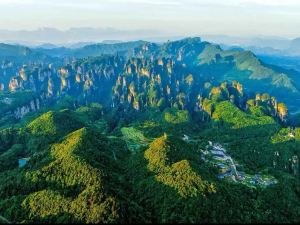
[[20, 112], [32, 106]]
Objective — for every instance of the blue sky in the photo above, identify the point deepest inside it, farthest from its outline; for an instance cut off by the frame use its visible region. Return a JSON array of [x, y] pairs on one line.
[[177, 17]]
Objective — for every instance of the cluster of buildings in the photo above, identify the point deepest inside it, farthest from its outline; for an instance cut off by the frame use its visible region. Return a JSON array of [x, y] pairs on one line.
[[224, 162], [217, 155]]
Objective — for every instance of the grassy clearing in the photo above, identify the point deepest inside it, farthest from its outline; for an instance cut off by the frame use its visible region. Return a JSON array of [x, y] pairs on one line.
[[134, 138]]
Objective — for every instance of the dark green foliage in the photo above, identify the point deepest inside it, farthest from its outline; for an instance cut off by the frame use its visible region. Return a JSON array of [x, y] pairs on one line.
[[9, 159], [227, 114], [88, 177], [125, 133]]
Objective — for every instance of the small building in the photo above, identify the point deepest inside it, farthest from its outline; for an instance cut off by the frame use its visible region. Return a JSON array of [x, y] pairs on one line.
[[185, 137], [22, 162], [218, 158], [252, 182], [218, 153], [241, 174], [224, 175], [223, 168], [219, 147], [271, 182], [221, 165], [255, 180], [205, 152]]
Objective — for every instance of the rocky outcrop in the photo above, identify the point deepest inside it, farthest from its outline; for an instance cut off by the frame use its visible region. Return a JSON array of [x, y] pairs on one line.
[[15, 84], [20, 112], [32, 106]]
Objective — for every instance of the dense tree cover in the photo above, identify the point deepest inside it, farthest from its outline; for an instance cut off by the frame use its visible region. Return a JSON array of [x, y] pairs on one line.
[[126, 160], [152, 174], [64, 181], [176, 116], [178, 175], [255, 138], [226, 113], [53, 124], [81, 175], [80, 182]]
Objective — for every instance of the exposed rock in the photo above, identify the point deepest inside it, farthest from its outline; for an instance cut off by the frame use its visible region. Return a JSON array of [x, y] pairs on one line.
[[15, 84], [20, 112]]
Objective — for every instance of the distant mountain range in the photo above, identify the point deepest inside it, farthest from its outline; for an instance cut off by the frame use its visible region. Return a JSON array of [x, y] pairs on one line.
[[79, 37], [67, 38], [262, 45]]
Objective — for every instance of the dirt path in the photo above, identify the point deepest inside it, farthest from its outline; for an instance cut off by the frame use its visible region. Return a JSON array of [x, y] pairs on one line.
[[4, 219]]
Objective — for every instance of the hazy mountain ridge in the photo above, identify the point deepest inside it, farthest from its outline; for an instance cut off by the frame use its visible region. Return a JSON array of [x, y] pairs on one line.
[[73, 35], [90, 50], [265, 45]]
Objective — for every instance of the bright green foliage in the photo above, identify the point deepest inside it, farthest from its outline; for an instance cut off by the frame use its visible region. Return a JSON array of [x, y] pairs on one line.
[[285, 135], [134, 138], [90, 113], [46, 203], [178, 175], [54, 124], [90, 177], [176, 116], [72, 174], [257, 111], [229, 115]]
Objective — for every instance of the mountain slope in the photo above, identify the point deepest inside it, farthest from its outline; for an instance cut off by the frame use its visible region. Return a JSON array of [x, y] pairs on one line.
[[20, 54], [89, 202], [92, 50], [81, 175]]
